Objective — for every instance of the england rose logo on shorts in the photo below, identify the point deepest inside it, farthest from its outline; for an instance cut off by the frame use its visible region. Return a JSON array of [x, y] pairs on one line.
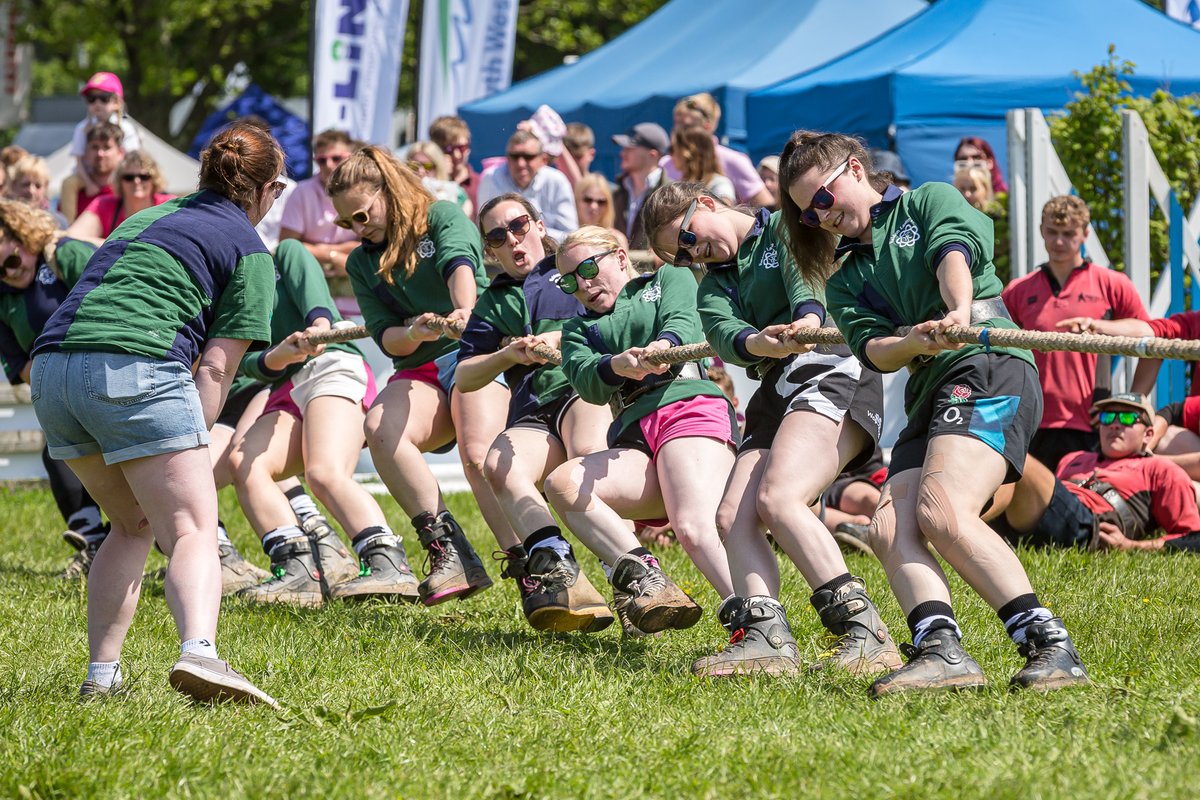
[[960, 394]]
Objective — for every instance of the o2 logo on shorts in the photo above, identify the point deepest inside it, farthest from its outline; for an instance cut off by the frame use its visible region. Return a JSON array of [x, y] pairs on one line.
[[952, 416], [770, 257], [960, 394], [907, 235], [425, 248]]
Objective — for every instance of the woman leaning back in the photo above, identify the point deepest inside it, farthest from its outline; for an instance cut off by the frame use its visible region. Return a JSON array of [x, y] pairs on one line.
[[547, 421], [671, 447], [421, 258], [816, 411], [114, 390], [924, 258]]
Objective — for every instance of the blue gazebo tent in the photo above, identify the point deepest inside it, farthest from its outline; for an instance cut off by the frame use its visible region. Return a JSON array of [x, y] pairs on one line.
[[290, 130], [726, 47], [956, 69]]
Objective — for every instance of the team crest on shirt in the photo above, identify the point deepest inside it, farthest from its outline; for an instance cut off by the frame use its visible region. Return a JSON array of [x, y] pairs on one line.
[[425, 248], [907, 235], [770, 257], [652, 293], [45, 275], [960, 394]]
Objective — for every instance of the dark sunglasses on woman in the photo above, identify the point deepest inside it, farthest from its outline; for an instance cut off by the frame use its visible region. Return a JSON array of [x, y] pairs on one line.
[[823, 199], [518, 227], [586, 269]]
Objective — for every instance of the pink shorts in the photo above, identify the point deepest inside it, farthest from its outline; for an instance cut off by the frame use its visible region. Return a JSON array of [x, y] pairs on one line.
[[426, 373], [280, 398], [696, 416]]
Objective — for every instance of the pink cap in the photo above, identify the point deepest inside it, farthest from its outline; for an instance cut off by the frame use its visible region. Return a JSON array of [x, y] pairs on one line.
[[104, 82]]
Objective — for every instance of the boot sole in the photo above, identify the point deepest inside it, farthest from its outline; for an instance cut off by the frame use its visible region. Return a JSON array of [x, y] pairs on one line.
[[1068, 682], [457, 592], [661, 618], [775, 667], [966, 684], [382, 594], [563, 620], [301, 599], [860, 667], [203, 687]]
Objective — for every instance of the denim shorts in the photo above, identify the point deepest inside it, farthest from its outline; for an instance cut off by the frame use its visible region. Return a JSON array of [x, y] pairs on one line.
[[119, 405]]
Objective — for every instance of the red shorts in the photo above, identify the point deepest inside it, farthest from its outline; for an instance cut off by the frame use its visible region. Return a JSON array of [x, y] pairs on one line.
[[280, 399], [426, 373], [696, 416]]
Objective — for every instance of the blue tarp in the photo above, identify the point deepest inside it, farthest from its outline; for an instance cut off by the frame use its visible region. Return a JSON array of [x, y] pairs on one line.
[[290, 130], [727, 47], [956, 69]]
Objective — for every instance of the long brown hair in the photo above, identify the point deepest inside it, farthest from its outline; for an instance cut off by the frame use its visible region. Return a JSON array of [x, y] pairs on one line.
[[404, 196], [694, 154], [548, 242], [813, 248]]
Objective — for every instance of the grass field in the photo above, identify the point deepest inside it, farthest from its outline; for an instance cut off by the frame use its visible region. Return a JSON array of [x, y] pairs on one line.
[[465, 700]]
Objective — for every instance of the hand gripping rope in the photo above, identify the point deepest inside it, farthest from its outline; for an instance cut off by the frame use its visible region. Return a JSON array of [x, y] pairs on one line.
[[1141, 347]]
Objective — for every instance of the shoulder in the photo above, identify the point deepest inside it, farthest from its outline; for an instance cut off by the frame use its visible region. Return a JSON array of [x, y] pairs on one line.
[[446, 216]]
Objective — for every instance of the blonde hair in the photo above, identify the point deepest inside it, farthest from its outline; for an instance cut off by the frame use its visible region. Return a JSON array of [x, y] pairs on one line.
[[30, 165], [404, 196], [596, 182], [441, 169], [141, 161], [982, 179], [593, 236], [32, 228], [703, 104]]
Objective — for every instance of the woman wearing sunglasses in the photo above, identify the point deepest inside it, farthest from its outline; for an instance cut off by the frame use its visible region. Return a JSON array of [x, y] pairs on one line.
[[924, 258], [547, 421], [128, 376], [137, 185], [421, 258], [39, 268], [313, 423], [671, 447], [432, 166], [816, 412]]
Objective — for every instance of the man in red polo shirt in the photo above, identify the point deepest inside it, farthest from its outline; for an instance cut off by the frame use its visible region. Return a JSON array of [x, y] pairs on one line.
[[1067, 287], [1121, 498]]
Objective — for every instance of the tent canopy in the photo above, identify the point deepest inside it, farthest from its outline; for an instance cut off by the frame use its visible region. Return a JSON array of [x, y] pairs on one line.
[[289, 130], [180, 171], [726, 47], [956, 69]]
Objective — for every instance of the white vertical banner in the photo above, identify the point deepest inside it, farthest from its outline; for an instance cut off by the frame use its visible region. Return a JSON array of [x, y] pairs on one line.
[[466, 53], [1186, 11], [356, 66], [15, 71]]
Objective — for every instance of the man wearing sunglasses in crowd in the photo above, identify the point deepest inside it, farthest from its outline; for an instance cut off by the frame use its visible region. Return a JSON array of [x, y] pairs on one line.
[[309, 214], [1120, 498], [526, 172]]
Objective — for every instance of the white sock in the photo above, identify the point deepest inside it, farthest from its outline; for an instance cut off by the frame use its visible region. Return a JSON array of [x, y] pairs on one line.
[[303, 506], [559, 545], [104, 673], [201, 647], [272, 539], [607, 569], [222, 534]]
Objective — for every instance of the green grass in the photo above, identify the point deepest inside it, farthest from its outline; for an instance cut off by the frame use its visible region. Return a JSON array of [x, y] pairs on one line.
[[465, 700]]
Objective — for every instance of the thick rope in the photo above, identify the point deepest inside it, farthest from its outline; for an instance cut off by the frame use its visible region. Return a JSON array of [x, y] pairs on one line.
[[1045, 341]]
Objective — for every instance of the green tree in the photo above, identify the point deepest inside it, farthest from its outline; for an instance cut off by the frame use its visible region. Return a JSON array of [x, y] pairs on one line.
[[161, 49], [1087, 136]]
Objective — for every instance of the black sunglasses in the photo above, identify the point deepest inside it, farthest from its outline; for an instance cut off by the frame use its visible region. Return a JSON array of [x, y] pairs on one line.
[[686, 240], [524, 156], [586, 269], [823, 199], [518, 227], [1127, 418], [99, 97], [130, 177]]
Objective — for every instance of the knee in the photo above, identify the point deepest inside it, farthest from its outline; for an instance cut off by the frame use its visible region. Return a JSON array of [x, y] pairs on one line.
[[882, 535], [726, 518], [323, 480], [493, 470], [694, 534], [935, 514], [474, 456], [564, 485], [776, 499]]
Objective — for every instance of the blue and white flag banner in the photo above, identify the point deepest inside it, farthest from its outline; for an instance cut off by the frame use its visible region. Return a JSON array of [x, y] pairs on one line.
[[466, 53], [1186, 11], [356, 66]]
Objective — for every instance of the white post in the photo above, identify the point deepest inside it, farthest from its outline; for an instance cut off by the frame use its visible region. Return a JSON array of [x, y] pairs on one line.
[[1039, 149], [1018, 178], [1135, 146]]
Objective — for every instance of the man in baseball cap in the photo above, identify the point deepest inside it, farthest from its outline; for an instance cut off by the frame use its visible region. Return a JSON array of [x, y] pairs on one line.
[[642, 146], [1121, 498]]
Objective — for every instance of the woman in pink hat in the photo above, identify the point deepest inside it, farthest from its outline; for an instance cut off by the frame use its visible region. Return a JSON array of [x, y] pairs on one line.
[[105, 98]]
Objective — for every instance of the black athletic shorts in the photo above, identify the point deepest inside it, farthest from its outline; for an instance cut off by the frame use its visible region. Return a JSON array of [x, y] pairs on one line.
[[548, 418], [235, 404], [1066, 522], [828, 381], [993, 397]]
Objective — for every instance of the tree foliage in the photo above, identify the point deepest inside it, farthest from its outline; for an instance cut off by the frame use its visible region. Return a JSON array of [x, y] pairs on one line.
[[1087, 137]]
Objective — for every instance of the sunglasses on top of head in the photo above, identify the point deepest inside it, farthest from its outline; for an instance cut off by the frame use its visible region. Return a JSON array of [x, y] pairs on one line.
[[823, 199], [1126, 418], [361, 217], [586, 269], [518, 227]]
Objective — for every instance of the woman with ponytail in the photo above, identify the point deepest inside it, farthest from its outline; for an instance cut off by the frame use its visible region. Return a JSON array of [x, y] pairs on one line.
[[420, 259], [128, 376]]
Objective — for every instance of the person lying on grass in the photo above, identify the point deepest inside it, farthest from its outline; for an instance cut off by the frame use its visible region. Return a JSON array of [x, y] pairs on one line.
[[1116, 499]]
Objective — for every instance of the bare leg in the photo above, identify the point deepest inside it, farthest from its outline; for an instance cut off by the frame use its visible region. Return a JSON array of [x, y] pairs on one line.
[[224, 439], [269, 450], [896, 538], [516, 465], [408, 418], [479, 418], [332, 439], [585, 428], [692, 472], [753, 567]]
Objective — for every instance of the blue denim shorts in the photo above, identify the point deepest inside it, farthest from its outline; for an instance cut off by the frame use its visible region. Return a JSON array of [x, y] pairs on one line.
[[119, 405]]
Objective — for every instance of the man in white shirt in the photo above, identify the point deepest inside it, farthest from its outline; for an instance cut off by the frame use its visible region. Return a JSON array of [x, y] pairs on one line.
[[526, 172]]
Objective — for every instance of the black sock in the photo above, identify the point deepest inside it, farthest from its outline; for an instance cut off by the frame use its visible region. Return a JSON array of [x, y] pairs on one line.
[[929, 616], [835, 584], [1021, 612], [640, 552], [423, 520]]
